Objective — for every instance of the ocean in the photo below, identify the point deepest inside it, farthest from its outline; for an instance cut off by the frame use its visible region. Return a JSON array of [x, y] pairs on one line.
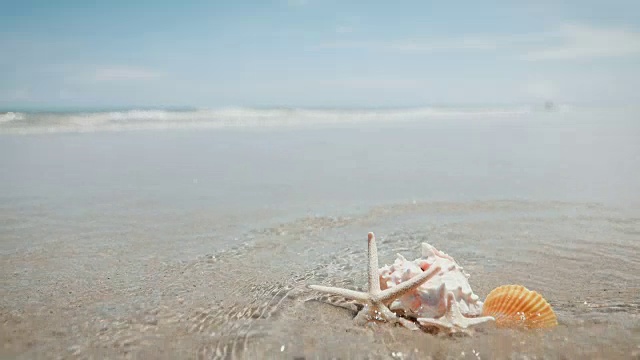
[[156, 233]]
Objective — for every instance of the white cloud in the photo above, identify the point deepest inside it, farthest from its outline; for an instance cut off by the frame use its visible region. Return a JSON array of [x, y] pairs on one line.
[[565, 42], [120, 73], [579, 41], [429, 45]]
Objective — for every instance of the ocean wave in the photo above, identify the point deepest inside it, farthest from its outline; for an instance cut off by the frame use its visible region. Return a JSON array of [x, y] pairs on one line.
[[231, 118], [11, 116]]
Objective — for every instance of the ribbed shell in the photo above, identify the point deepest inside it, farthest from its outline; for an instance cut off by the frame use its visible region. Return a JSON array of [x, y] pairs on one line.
[[514, 306]]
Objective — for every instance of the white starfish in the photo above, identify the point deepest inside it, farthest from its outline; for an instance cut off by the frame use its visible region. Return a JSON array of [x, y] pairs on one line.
[[453, 320], [376, 302]]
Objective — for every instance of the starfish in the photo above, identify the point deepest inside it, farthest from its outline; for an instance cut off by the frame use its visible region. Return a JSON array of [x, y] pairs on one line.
[[453, 319], [376, 301]]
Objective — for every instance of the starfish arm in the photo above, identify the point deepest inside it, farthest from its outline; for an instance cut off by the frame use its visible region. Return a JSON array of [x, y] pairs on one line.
[[471, 321], [397, 291], [434, 322], [349, 294], [374, 276]]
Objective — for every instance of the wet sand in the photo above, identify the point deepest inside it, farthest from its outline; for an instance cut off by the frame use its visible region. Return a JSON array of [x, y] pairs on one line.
[[200, 245], [86, 300]]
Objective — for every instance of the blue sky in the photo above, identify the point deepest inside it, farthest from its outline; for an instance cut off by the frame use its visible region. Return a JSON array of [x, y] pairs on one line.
[[317, 53]]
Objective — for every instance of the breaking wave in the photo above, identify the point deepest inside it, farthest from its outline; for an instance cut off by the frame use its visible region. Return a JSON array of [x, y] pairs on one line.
[[11, 116], [34, 123]]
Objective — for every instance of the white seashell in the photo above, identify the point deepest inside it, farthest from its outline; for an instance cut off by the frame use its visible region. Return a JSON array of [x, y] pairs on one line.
[[430, 299]]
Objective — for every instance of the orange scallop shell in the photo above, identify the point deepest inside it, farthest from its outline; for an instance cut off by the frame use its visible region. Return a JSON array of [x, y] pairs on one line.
[[515, 306]]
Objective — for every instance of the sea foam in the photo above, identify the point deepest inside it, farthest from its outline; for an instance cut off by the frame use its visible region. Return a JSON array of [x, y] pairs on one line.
[[42, 122]]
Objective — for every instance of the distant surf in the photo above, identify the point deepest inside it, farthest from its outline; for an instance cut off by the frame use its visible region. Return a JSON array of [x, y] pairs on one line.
[[135, 119]]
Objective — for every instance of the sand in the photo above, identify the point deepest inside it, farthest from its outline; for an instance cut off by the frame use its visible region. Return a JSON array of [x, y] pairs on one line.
[[70, 300]]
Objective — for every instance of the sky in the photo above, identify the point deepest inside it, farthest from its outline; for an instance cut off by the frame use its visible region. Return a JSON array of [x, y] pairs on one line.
[[317, 53]]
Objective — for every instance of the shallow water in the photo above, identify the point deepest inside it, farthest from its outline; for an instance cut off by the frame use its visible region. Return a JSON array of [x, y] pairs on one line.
[[188, 244], [112, 298]]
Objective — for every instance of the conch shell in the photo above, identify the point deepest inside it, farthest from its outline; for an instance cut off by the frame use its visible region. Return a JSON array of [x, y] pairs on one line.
[[514, 306], [445, 301]]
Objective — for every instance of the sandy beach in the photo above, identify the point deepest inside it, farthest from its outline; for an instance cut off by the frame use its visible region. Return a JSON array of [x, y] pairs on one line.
[[183, 244]]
